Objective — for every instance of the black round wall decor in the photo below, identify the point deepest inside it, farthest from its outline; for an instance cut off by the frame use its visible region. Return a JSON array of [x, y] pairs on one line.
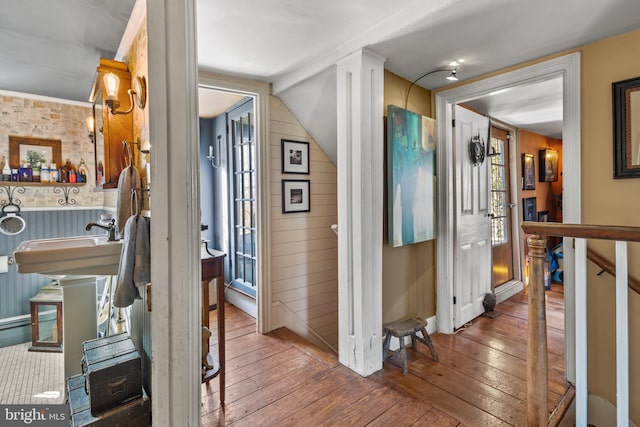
[[476, 150]]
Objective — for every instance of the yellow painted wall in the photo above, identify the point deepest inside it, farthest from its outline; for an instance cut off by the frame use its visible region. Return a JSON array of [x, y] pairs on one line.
[[408, 272], [608, 201]]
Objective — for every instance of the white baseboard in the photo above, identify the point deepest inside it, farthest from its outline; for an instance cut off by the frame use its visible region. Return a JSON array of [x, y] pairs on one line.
[[509, 289], [283, 316], [243, 301]]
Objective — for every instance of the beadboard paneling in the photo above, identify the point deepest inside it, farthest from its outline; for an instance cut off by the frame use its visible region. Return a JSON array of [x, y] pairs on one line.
[[16, 288], [304, 250]]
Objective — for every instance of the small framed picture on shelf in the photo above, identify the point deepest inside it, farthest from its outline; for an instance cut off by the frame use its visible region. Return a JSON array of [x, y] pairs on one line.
[[296, 195], [529, 209], [295, 156], [528, 172]]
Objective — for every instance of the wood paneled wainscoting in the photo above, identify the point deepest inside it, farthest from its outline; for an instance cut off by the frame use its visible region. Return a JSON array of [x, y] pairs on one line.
[[280, 379]]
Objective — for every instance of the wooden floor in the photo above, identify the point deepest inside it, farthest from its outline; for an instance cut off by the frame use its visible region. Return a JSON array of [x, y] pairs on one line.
[[279, 379]]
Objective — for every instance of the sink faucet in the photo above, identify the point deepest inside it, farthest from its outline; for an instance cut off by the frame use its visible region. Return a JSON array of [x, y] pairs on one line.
[[111, 229]]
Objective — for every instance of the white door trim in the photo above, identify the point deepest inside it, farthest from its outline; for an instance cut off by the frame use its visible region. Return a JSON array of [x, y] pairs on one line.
[[175, 228], [568, 67], [260, 91]]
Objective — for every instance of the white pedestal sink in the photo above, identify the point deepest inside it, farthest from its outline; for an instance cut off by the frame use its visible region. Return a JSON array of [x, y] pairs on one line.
[[76, 262]]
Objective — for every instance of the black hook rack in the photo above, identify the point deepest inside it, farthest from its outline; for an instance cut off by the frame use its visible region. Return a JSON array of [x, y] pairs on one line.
[[66, 201], [10, 190]]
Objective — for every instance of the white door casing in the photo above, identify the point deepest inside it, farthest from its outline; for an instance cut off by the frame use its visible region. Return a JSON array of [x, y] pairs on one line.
[[568, 67], [472, 259]]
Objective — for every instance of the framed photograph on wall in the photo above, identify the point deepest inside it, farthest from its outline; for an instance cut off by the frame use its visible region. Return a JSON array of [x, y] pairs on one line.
[[543, 216], [548, 164], [528, 172], [626, 128], [529, 210], [295, 156], [24, 149], [296, 195]]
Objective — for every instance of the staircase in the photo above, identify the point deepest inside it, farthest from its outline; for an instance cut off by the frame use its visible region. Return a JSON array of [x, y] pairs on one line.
[[537, 360]]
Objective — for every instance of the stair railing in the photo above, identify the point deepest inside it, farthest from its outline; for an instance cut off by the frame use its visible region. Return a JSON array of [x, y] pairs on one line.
[[537, 356]]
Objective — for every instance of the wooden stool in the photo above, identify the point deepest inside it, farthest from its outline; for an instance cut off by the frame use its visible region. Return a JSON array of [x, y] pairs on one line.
[[401, 329]]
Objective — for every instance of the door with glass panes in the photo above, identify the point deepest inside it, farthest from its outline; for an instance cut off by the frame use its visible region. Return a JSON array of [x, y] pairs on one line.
[[501, 205], [242, 141]]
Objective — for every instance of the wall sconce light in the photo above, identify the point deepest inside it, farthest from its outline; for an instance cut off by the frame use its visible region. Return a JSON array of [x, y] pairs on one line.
[[212, 157], [111, 87], [453, 76], [91, 126]]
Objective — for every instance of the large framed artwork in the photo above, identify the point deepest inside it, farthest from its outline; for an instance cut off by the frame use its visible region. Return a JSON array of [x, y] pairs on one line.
[[411, 177], [626, 128], [33, 151]]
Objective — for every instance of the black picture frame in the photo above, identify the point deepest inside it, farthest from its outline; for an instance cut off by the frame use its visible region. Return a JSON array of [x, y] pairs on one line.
[[295, 156], [626, 128], [296, 195], [548, 165], [543, 216], [529, 210], [528, 172]]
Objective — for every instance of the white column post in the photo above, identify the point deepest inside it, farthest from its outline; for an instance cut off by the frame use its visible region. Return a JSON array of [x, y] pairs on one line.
[[360, 85], [175, 205], [580, 286], [622, 334]]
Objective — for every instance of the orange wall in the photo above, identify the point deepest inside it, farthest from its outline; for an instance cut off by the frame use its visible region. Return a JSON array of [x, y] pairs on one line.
[[545, 192]]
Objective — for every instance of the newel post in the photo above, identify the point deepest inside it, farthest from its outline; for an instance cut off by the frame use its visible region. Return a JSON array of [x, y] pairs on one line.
[[537, 363]]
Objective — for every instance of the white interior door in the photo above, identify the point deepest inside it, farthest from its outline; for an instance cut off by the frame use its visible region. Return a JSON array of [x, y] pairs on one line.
[[472, 253]]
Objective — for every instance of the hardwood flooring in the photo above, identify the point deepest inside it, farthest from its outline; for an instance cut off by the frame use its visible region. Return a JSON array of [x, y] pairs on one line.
[[280, 379]]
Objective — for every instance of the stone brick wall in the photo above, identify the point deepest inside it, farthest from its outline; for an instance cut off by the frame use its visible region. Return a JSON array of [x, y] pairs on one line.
[[23, 115]]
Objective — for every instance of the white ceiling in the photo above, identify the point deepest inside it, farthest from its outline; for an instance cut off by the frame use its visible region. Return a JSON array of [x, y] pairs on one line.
[[52, 47]]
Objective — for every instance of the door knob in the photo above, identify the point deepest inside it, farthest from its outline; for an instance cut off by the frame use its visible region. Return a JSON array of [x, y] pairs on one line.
[[512, 205]]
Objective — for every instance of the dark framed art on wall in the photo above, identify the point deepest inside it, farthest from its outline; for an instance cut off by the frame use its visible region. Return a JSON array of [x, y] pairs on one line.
[[296, 195], [529, 210], [528, 172], [295, 156], [548, 164], [626, 128]]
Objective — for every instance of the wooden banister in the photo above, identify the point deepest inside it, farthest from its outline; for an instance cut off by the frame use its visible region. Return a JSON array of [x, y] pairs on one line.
[[584, 231], [610, 268], [610, 232], [537, 357]]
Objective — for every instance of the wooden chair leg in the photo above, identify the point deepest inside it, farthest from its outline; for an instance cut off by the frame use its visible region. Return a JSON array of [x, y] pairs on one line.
[[429, 343], [385, 346], [403, 356]]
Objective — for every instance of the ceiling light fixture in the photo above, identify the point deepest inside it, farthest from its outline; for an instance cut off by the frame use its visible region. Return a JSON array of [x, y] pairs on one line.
[[453, 77], [112, 87]]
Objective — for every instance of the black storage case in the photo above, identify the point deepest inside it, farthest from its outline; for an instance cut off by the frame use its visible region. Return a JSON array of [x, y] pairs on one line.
[[133, 413], [113, 372]]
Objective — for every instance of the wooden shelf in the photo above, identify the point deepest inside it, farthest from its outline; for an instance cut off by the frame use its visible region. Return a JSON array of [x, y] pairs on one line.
[[40, 184]]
